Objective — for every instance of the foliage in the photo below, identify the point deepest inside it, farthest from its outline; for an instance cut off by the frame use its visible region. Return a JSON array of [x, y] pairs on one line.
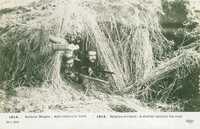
[[176, 12], [24, 55]]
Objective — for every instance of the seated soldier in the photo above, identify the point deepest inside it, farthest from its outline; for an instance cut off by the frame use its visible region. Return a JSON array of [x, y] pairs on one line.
[[91, 68], [71, 69]]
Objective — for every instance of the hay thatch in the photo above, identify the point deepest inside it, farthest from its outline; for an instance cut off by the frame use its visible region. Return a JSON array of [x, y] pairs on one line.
[[164, 81], [127, 32]]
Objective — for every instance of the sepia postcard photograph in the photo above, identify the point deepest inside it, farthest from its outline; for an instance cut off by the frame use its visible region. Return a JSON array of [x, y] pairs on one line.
[[99, 56]]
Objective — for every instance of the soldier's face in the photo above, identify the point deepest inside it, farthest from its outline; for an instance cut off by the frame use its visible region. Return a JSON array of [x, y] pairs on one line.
[[69, 65], [92, 58]]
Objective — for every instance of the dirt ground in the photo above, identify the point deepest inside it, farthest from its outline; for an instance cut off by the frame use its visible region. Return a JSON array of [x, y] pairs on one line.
[[55, 99]]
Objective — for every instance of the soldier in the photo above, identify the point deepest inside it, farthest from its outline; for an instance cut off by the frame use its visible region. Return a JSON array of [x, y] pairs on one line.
[[94, 71], [70, 66], [90, 65], [71, 69]]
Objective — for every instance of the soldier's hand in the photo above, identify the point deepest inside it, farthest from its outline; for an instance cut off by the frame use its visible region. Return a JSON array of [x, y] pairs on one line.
[[73, 75], [90, 71]]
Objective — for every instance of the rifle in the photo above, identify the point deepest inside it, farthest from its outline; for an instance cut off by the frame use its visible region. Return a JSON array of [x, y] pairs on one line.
[[93, 78], [108, 72]]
